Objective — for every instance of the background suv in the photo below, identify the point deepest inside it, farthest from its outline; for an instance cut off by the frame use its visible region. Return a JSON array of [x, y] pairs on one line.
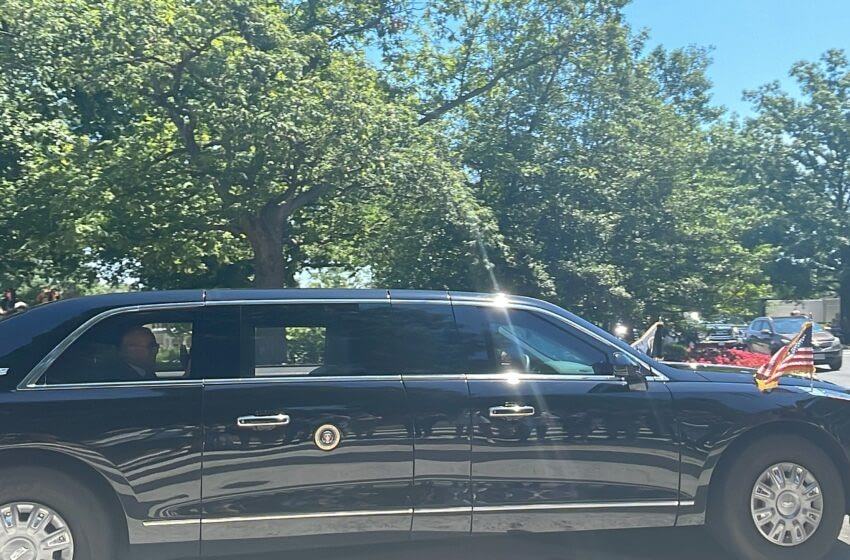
[[767, 335]]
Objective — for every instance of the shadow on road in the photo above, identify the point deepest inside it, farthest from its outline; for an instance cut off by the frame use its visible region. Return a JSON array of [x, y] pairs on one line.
[[651, 544]]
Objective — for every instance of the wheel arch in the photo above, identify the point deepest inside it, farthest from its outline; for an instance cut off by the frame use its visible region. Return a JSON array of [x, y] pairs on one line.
[[76, 468], [809, 432]]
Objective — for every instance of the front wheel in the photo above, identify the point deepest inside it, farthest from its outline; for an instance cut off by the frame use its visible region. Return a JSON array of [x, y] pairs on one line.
[[835, 364], [782, 498]]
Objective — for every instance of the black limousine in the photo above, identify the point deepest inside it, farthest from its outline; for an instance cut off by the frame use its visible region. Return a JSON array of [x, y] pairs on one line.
[[204, 423]]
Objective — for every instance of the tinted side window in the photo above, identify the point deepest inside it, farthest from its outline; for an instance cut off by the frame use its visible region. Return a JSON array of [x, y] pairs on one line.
[[217, 339], [144, 346], [427, 339], [525, 341], [315, 340]]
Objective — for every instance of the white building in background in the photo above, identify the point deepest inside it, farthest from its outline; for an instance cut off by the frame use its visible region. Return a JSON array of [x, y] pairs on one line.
[[824, 310]]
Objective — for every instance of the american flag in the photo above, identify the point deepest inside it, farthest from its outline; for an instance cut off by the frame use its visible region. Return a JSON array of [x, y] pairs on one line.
[[797, 358]]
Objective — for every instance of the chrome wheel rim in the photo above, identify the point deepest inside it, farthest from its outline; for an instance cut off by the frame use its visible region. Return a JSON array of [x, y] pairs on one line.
[[787, 504], [31, 531]]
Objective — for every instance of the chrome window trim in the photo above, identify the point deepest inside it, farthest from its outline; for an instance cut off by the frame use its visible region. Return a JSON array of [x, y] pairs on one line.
[[296, 301], [31, 379], [433, 376], [343, 378], [438, 511], [425, 511], [512, 377], [35, 374], [117, 384]]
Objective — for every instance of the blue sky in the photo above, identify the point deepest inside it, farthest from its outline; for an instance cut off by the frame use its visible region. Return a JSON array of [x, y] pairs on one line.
[[754, 41]]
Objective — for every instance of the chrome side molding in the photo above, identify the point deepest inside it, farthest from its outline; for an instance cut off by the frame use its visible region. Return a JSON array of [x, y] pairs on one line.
[[425, 511]]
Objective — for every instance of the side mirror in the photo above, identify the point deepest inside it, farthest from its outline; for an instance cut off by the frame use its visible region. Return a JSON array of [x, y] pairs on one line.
[[627, 368], [767, 332]]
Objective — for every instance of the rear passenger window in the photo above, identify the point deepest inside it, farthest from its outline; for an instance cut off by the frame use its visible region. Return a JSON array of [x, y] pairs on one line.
[[316, 340], [144, 346], [427, 339]]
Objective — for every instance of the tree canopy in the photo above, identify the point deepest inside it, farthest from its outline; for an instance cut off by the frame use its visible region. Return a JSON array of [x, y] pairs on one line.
[[535, 147]]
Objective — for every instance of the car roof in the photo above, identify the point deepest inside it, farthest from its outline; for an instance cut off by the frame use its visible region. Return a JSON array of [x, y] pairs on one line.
[[154, 297]]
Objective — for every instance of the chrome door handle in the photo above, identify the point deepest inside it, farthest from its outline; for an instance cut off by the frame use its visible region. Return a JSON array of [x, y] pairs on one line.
[[511, 411], [262, 421]]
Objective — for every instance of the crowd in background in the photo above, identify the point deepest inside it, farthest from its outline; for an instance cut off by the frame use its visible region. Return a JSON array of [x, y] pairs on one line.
[[10, 304]]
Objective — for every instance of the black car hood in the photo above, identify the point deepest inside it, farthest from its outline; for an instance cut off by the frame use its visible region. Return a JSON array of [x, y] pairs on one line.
[[787, 381], [736, 374]]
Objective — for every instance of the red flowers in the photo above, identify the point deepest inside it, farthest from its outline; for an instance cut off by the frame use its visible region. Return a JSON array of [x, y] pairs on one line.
[[728, 356]]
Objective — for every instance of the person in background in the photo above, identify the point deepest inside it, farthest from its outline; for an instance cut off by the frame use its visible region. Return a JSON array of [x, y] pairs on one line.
[[47, 295], [21, 307], [7, 304]]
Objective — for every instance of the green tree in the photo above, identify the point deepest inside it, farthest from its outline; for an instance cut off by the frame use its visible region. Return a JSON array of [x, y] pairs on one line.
[[599, 168], [204, 130], [207, 135], [801, 164]]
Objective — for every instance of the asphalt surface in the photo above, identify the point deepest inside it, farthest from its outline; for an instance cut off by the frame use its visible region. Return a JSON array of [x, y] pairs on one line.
[[645, 544]]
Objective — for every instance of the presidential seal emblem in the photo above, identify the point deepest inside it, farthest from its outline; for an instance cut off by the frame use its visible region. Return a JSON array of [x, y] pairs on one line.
[[327, 437]]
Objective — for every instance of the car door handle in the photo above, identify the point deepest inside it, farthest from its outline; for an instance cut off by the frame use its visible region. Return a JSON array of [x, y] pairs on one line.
[[262, 421], [511, 411]]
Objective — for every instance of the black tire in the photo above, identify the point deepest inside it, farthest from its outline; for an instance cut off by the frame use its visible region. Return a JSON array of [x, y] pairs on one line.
[[92, 530], [729, 517], [836, 364]]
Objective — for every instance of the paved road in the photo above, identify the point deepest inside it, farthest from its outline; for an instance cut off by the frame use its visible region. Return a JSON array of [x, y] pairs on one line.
[[655, 544], [842, 376]]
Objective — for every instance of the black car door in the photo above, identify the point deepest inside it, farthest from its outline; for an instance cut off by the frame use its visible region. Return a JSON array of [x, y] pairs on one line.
[[135, 421], [307, 431], [429, 356], [556, 446]]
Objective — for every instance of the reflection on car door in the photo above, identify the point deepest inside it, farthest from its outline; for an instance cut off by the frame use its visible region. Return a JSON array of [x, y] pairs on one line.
[[555, 446], [429, 351], [307, 434], [145, 434]]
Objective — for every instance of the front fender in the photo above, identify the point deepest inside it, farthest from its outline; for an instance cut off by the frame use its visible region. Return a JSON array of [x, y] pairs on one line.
[[715, 419]]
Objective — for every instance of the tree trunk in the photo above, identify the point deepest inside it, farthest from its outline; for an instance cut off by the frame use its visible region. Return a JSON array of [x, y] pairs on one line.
[[844, 293], [265, 233]]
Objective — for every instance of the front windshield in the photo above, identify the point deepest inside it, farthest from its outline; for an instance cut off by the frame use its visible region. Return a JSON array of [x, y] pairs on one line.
[[793, 325]]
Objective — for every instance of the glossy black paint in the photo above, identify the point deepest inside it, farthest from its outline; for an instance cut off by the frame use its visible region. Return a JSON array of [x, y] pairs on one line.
[[280, 472], [143, 442], [726, 410], [414, 441], [441, 428], [589, 442]]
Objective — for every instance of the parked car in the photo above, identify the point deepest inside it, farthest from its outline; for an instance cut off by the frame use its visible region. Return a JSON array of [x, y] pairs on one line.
[[204, 423], [766, 335], [723, 334]]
